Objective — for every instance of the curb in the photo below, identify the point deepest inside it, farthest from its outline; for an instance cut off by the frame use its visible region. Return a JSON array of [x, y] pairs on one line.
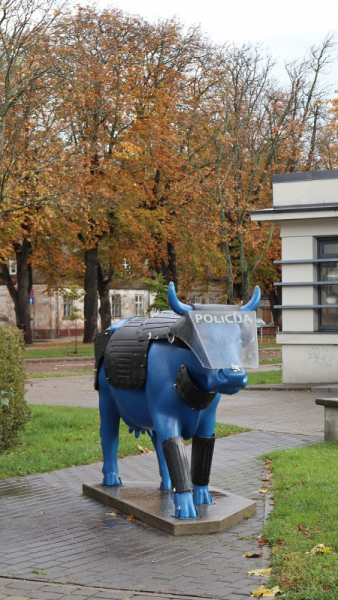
[[279, 387], [293, 387]]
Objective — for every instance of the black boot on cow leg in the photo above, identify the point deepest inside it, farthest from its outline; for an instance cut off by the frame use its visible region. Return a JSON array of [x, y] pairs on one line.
[[178, 466], [201, 460]]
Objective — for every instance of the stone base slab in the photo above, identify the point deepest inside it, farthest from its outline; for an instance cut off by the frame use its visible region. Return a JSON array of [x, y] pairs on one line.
[[156, 508]]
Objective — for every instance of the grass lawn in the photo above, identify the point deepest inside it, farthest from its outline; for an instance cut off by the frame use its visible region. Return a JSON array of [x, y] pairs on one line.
[[57, 352], [261, 378], [264, 377], [60, 373], [62, 436], [305, 514], [269, 342], [270, 361]]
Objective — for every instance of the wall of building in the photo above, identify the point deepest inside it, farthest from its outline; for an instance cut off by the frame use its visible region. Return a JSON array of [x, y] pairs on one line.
[[47, 311]]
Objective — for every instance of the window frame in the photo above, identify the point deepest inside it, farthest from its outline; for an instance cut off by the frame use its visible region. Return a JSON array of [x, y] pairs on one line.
[[320, 254], [68, 304], [139, 312], [115, 304], [12, 267]]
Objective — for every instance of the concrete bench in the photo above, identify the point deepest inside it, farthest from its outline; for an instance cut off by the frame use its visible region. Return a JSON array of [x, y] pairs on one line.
[[330, 418]]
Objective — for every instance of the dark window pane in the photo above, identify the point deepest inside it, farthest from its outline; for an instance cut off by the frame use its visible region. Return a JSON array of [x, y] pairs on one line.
[[328, 294], [330, 248], [116, 306]]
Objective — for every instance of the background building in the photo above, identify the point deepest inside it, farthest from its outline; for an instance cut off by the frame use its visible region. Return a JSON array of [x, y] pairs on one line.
[[306, 207]]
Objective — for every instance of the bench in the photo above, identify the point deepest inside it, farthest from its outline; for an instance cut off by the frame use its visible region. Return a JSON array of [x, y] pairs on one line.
[[330, 418], [269, 329]]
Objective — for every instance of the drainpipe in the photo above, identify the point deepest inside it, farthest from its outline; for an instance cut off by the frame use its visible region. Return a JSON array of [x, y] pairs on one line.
[[57, 315]]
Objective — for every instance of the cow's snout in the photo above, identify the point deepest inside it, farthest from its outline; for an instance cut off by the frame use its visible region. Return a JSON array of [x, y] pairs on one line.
[[231, 380]]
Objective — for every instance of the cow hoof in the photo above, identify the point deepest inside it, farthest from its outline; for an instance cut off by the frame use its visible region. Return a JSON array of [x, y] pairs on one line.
[[202, 495], [111, 479], [184, 506]]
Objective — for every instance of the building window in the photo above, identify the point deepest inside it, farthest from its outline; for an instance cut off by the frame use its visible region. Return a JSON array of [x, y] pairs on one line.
[[197, 300], [328, 293], [139, 305], [67, 307], [126, 265], [116, 306], [12, 267], [213, 300]]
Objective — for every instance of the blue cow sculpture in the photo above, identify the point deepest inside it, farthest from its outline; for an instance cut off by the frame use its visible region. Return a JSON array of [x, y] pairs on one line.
[[165, 374]]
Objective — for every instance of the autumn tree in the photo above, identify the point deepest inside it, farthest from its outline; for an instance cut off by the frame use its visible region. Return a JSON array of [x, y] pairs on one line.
[[31, 149], [241, 127], [98, 52], [26, 89]]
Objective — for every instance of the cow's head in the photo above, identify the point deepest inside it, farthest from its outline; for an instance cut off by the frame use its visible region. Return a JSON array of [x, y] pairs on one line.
[[222, 340]]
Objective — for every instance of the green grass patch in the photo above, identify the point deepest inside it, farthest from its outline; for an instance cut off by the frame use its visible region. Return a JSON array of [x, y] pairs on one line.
[[270, 361], [305, 515], [60, 373], [269, 342], [85, 350], [62, 436], [265, 377]]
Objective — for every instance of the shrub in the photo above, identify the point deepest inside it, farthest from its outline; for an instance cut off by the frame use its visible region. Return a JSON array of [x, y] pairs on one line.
[[14, 411]]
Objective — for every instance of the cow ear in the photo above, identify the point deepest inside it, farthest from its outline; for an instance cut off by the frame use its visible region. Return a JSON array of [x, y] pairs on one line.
[[254, 302], [174, 303]]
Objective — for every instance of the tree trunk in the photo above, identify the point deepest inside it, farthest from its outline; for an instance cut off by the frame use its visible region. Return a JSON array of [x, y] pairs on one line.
[[20, 296], [90, 299], [25, 281], [230, 279], [103, 285], [169, 268], [275, 298]]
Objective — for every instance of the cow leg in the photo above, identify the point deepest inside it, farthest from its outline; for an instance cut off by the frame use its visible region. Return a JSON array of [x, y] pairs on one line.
[[201, 459], [164, 473], [202, 452], [109, 431], [178, 466]]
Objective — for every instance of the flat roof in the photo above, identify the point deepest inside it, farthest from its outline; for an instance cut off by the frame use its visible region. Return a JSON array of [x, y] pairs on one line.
[[305, 176], [295, 208]]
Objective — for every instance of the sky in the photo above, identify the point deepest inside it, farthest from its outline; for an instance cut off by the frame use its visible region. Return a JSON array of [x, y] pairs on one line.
[[286, 27]]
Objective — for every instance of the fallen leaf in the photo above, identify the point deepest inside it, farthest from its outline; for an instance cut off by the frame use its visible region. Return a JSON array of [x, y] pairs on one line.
[[252, 554], [113, 513], [144, 450], [130, 518], [300, 528], [320, 549], [262, 592], [263, 542], [260, 572], [263, 490]]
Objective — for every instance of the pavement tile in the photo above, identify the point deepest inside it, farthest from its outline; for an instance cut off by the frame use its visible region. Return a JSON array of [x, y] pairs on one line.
[[71, 537]]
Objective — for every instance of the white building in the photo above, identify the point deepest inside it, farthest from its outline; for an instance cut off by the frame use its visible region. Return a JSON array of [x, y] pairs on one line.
[[306, 207]]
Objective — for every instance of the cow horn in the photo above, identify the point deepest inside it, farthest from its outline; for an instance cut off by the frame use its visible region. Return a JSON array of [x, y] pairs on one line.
[[174, 303], [255, 300]]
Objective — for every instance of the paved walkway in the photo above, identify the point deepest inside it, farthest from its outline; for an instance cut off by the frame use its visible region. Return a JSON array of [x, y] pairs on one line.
[[54, 542], [277, 411]]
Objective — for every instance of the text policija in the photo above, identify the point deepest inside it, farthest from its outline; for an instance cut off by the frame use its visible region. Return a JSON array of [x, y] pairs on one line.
[[235, 317]]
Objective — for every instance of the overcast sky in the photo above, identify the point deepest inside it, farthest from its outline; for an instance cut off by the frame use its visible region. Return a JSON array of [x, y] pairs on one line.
[[287, 27]]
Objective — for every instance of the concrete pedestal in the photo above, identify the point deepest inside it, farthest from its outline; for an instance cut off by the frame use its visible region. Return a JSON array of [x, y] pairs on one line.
[[154, 507], [330, 418]]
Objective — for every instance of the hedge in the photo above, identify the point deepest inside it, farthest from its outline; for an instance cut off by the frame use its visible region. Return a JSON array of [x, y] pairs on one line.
[[14, 411]]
